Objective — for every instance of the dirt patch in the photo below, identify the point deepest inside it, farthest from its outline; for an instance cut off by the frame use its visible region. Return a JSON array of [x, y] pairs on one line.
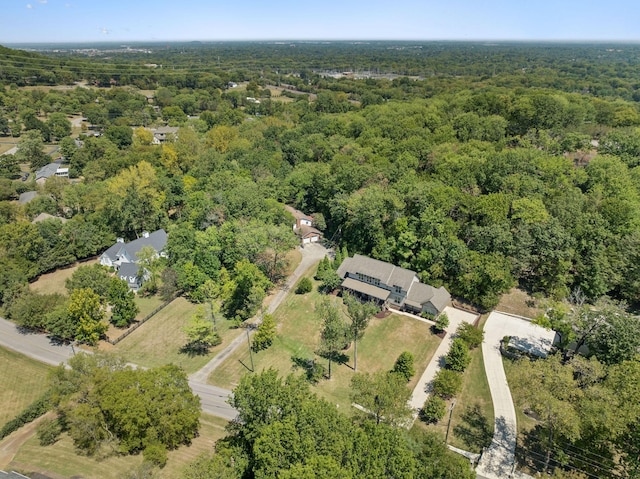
[[383, 314], [520, 303], [10, 445]]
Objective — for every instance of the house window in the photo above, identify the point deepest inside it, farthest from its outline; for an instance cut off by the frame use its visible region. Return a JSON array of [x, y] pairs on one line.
[[397, 289], [368, 279]]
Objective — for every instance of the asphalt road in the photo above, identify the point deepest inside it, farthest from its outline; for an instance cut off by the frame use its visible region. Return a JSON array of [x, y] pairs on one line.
[[36, 346], [41, 348], [213, 399]]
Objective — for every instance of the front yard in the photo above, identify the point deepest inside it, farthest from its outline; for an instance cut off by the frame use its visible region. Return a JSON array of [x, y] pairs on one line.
[[161, 339], [298, 338]]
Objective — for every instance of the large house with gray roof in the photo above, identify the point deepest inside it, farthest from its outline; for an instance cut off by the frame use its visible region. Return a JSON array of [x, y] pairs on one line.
[[390, 285], [123, 253]]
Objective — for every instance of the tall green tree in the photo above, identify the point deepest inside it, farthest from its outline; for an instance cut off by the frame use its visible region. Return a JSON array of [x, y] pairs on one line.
[[86, 313], [201, 333], [359, 313], [31, 150], [383, 395], [122, 300], [333, 335], [266, 333]]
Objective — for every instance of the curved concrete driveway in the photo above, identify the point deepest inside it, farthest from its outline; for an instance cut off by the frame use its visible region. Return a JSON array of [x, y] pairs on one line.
[[498, 461]]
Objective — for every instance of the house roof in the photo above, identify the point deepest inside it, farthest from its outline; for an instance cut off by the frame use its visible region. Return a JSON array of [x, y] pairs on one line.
[[297, 214], [47, 216], [128, 270], [27, 196], [421, 293], [307, 231], [157, 240], [165, 130], [48, 170], [366, 288], [387, 273], [112, 252]]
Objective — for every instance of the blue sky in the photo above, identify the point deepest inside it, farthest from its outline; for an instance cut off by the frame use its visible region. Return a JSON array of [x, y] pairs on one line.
[[24, 21]]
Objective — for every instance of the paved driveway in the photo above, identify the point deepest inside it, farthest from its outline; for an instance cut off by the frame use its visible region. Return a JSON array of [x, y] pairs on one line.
[[422, 389], [498, 461]]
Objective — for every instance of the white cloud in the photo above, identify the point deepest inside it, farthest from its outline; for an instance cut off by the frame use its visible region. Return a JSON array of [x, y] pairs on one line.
[[104, 30], [29, 6], [43, 1]]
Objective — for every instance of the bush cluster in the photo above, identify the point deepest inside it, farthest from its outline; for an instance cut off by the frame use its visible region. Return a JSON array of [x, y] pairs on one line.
[[32, 412]]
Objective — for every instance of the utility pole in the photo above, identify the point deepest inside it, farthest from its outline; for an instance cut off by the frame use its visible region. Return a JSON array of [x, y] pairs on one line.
[[250, 351], [453, 404]]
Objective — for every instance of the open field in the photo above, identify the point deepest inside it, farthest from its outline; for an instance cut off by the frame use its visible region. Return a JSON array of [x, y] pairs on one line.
[[23, 380], [54, 282], [62, 460], [298, 337], [7, 143], [159, 341], [518, 302]]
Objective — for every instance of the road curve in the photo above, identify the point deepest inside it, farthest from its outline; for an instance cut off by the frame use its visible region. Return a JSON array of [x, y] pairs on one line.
[[213, 399]]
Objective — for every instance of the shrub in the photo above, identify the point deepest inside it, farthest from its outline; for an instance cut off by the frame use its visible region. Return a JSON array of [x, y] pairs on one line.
[[404, 366], [155, 453], [433, 410], [470, 335], [265, 334], [458, 357], [33, 411], [447, 383], [49, 431], [442, 322], [304, 286]]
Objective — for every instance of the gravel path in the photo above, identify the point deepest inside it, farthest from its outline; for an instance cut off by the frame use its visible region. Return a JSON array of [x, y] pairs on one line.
[[311, 253]]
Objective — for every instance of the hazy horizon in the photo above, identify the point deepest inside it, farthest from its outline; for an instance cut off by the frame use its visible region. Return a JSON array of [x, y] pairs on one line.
[[75, 21]]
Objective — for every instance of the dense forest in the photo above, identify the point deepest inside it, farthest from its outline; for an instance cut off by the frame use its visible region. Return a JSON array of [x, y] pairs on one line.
[[481, 167]]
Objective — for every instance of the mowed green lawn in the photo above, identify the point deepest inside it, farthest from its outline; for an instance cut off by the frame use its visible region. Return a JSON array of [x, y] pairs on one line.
[[299, 336], [23, 380], [62, 458], [160, 340], [53, 282]]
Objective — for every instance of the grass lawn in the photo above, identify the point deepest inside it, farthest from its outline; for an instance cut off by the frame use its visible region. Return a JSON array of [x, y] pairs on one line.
[[159, 340], [54, 282], [61, 458], [298, 337], [146, 305], [518, 302], [525, 423], [23, 380], [472, 420]]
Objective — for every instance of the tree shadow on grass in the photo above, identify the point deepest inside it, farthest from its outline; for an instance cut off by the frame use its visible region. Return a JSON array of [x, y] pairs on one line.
[[475, 430], [194, 350], [314, 371]]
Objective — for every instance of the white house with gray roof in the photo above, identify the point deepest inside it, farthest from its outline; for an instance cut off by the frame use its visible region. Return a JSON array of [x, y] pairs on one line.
[[122, 252], [391, 285]]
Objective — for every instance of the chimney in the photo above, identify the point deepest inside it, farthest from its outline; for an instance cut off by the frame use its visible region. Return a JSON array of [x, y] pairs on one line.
[[120, 240], [145, 234]]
